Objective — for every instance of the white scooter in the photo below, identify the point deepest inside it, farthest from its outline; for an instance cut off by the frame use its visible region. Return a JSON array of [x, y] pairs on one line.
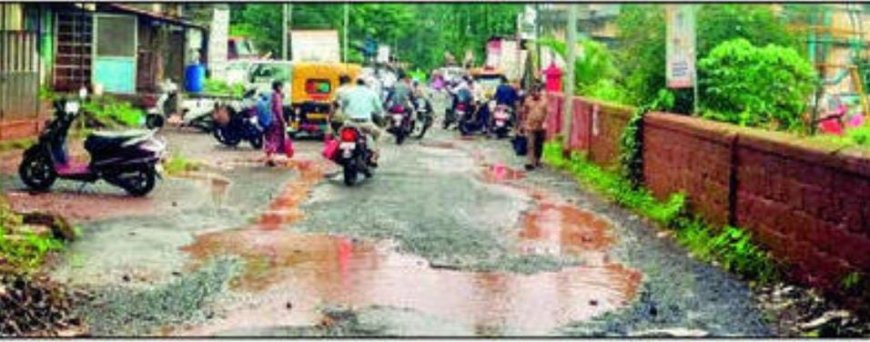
[[195, 113]]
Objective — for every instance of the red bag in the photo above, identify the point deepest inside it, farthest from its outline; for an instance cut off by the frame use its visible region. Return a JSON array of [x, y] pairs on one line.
[[330, 148], [288, 147]]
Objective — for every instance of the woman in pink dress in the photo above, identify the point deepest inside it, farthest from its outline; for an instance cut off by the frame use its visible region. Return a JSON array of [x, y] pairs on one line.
[[276, 139]]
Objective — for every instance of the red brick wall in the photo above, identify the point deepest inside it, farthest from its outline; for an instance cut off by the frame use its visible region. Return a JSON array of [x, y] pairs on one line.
[[555, 103], [606, 125], [689, 155], [810, 206], [18, 129]]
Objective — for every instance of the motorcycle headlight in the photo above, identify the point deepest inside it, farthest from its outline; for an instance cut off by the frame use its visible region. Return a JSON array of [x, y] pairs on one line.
[[71, 107]]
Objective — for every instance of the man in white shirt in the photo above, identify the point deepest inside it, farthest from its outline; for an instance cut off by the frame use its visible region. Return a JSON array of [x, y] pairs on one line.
[[359, 104]]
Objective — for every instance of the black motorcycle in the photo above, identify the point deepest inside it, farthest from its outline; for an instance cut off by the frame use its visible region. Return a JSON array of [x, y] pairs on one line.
[[400, 123], [354, 154], [236, 121], [424, 116], [129, 160]]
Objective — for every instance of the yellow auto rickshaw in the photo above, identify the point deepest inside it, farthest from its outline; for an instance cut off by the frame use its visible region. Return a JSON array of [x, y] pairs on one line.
[[488, 79], [313, 92]]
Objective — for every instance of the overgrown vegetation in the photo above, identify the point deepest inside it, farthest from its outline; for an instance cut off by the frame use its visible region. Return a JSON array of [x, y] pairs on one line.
[[16, 144], [110, 111], [178, 163], [642, 49], [21, 249], [756, 86], [217, 87], [730, 247]]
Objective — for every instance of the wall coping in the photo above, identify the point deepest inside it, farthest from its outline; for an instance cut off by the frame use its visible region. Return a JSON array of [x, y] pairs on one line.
[[855, 160], [705, 129]]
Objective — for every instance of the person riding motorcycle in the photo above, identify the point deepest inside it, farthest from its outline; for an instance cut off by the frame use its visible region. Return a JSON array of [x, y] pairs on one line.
[[507, 95], [338, 117], [402, 94], [359, 104]]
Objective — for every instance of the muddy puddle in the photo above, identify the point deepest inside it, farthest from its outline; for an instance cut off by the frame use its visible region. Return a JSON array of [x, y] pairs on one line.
[[301, 273], [497, 173], [290, 276]]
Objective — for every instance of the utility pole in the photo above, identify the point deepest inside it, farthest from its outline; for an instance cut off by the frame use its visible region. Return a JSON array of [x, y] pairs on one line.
[[538, 19], [569, 86], [346, 20], [284, 29]]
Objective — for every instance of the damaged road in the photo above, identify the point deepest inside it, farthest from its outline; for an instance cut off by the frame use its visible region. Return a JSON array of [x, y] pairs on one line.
[[448, 238]]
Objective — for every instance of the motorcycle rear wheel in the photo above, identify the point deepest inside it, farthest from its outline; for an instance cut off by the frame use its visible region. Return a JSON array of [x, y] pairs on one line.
[[350, 174], [154, 121], [140, 182], [221, 135], [257, 142]]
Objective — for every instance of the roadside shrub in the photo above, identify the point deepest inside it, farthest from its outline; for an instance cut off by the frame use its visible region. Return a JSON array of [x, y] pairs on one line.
[[752, 86]]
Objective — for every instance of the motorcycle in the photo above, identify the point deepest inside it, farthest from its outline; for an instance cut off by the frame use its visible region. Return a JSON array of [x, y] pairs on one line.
[[424, 116], [476, 122], [502, 121], [354, 154], [453, 116], [237, 121], [401, 123], [129, 160], [195, 113]]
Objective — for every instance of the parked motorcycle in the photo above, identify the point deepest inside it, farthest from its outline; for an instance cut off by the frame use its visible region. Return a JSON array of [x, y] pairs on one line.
[[502, 121], [401, 123], [424, 116], [237, 120], [354, 154], [195, 113], [129, 159]]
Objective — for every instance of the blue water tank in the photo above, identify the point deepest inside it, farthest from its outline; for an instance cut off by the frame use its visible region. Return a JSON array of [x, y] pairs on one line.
[[194, 77]]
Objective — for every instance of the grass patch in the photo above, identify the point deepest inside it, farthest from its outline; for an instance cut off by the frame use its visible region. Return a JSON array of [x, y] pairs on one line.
[[16, 144], [178, 163], [21, 250], [217, 87], [730, 247], [108, 109]]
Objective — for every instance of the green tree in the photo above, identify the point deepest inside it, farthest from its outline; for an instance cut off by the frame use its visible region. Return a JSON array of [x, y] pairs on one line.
[[756, 86], [418, 33], [642, 35]]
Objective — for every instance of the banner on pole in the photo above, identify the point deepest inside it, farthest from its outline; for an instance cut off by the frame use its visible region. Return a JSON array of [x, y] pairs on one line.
[[680, 46]]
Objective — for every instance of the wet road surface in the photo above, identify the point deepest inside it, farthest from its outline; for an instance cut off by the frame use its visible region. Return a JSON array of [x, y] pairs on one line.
[[448, 238]]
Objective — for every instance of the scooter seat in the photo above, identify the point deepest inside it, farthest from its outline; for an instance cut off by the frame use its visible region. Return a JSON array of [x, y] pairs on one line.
[[99, 141]]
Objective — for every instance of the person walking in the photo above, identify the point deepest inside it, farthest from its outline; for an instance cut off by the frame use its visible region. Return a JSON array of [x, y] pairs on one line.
[[534, 115], [277, 140]]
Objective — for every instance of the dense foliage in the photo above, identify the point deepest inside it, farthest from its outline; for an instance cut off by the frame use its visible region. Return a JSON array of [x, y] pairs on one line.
[[417, 33], [642, 50], [594, 70], [756, 86]]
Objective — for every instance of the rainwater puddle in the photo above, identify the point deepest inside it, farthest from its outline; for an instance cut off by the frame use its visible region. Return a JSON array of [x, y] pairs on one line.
[[217, 184], [558, 228], [290, 276], [309, 271], [497, 173]]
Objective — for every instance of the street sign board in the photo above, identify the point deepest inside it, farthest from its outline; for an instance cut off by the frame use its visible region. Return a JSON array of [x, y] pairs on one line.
[[680, 46]]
